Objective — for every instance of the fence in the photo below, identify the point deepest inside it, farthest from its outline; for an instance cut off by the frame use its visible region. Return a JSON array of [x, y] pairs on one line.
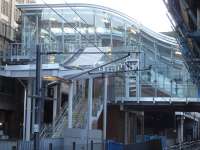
[[58, 144], [50, 144], [111, 145], [8, 145], [89, 146], [45, 144], [192, 145]]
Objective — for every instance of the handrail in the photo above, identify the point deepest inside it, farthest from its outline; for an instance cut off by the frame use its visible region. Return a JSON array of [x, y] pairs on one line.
[[97, 105], [63, 112], [76, 99], [47, 129], [183, 145]]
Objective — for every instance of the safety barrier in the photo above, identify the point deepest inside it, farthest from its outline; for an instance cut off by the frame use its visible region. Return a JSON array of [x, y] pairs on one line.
[[192, 145], [45, 144], [112, 145]]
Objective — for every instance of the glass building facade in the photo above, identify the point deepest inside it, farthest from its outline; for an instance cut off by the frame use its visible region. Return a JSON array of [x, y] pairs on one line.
[[74, 29]]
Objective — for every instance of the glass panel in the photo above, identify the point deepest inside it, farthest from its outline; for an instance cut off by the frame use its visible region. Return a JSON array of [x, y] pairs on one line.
[[118, 30]]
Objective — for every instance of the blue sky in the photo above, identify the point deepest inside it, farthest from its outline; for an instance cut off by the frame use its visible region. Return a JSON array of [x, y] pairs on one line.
[[151, 13]]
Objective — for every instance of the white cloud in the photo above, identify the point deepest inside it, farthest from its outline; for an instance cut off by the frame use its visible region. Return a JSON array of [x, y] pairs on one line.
[[151, 13]]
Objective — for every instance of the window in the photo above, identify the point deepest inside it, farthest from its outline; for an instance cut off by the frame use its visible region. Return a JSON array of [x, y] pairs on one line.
[[5, 7]]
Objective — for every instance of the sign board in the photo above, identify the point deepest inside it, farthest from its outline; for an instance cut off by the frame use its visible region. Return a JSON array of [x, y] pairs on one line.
[[36, 128], [129, 65]]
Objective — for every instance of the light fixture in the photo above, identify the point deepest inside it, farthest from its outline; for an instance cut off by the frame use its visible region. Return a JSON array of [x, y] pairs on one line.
[[132, 30], [105, 20], [52, 19], [42, 36], [109, 51], [76, 19], [100, 30], [50, 78], [178, 53], [1, 123], [91, 30]]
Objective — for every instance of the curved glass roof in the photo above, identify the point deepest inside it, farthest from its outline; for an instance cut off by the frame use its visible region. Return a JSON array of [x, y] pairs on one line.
[[104, 32], [92, 7]]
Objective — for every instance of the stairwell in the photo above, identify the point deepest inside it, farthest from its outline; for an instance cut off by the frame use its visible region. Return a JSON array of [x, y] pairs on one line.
[[62, 119], [79, 117]]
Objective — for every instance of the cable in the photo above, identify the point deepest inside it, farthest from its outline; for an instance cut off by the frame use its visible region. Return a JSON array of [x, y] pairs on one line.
[[60, 53], [79, 16]]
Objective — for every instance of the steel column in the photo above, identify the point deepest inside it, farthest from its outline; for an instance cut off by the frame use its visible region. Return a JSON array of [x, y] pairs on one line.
[[70, 105], [37, 100], [105, 107], [90, 97], [28, 112], [55, 99]]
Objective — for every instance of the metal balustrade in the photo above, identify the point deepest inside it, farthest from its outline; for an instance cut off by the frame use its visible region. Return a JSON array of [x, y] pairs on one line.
[[192, 145]]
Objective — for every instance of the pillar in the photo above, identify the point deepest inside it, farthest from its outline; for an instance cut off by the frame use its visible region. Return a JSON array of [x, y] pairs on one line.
[[90, 96], [59, 98], [198, 18], [25, 111], [28, 107], [105, 107], [33, 106], [55, 96], [134, 127], [83, 88], [126, 128], [142, 126], [195, 130], [75, 87], [70, 105], [198, 130], [138, 74], [180, 129]]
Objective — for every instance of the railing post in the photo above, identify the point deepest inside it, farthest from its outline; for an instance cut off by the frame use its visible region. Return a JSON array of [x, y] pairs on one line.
[[92, 144], [50, 146], [74, 146], [14, 148]]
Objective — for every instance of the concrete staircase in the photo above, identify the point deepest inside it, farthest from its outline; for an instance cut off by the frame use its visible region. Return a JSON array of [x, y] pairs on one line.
[[60, 124], [79, 120], [80, 114], [62, 119]]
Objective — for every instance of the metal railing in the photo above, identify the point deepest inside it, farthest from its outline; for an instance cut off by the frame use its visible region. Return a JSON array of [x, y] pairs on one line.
[[97, 104], [192, 145], [61, 120], [46, 131]]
